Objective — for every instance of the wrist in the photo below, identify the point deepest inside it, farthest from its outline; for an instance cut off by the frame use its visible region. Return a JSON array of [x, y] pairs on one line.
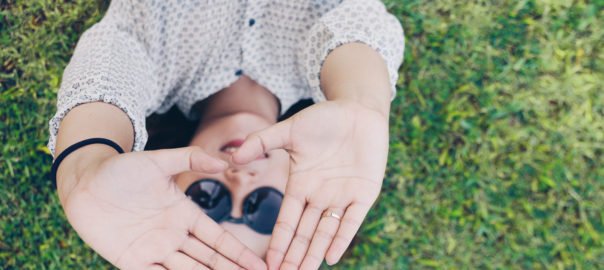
[[373, 103], [356, 72], [75, 165]]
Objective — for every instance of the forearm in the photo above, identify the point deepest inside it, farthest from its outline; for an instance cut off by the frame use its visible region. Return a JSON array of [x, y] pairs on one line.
[[90, 120], [356, 72]]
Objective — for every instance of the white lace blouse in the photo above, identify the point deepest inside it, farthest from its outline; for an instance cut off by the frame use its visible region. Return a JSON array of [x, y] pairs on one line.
[[145, 56]]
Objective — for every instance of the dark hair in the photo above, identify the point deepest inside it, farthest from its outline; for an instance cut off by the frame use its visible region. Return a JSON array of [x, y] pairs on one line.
[[172, 129]]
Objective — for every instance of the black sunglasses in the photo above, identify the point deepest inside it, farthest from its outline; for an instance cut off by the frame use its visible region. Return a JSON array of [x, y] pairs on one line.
[[260, 207]]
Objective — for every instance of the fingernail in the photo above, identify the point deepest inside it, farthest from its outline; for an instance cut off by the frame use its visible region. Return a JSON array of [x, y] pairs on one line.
[[216, 165], [330, 262]]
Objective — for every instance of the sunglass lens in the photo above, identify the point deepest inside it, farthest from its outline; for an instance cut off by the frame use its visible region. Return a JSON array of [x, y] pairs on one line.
[[212, 196], [261, 209]]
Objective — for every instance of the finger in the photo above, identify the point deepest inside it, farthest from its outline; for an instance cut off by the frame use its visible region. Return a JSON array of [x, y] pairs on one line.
[[306, 229], [355, 213], [214, 236], [197, 250], [285, 227], [328, 226], [178, 260], [258, 143], [174, 161]]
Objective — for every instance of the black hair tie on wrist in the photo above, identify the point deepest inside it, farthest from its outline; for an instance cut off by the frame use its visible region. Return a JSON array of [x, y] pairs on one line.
[[76, 146]]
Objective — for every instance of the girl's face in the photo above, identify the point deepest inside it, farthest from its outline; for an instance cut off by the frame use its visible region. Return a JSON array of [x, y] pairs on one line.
[[220, 138]]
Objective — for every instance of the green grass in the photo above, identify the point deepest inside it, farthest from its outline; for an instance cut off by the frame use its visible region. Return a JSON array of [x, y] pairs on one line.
[[497, 138]]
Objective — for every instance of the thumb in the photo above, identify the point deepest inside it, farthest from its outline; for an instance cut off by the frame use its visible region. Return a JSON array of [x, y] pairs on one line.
[[177, 160], [274, 137]]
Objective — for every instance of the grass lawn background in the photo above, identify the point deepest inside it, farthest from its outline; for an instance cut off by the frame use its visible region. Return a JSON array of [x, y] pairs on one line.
[[497, 138]]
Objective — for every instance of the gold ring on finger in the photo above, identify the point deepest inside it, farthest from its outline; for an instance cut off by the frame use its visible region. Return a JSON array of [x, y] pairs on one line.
[[331, 214]]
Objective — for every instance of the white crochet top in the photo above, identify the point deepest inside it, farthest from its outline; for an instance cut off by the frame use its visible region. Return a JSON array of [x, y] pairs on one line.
[[145, 56]]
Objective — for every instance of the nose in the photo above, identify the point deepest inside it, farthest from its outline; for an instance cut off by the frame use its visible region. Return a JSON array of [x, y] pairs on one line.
[[241, 175], [237, 178]]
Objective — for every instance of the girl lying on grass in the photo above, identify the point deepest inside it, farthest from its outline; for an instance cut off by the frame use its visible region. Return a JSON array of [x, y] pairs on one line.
[[236, 66]]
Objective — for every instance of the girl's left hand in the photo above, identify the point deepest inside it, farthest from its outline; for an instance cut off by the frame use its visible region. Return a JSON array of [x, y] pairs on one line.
[[129, 209], [338, 152]]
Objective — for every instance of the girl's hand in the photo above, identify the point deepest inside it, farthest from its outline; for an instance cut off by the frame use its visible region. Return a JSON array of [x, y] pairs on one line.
[[338, 152], [129, 210]]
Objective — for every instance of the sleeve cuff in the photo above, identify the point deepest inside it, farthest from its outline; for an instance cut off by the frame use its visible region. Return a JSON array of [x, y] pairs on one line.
[[329, 33], [137, 118]]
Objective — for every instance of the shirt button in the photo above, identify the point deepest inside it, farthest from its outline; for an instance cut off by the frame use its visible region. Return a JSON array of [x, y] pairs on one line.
[[252, 22], [239, 72]]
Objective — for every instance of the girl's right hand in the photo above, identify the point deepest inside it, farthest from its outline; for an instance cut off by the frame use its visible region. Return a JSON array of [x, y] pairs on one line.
[[129, 210], [338, 152]]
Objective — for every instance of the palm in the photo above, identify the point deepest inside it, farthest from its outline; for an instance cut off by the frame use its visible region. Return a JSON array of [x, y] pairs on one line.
[[130, 211], [338, 153]]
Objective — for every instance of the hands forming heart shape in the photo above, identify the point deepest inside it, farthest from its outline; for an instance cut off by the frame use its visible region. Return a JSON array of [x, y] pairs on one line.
[[128, 208]]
